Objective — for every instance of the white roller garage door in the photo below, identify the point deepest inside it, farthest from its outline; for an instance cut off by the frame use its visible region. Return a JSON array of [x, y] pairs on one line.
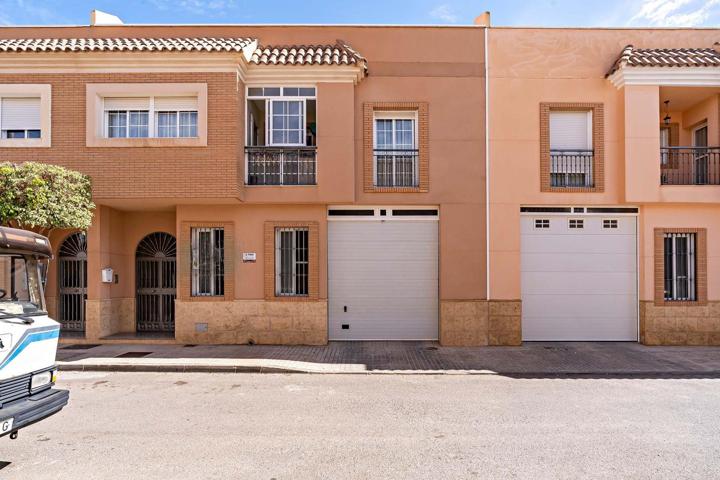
[[579, 277], [383, 276]]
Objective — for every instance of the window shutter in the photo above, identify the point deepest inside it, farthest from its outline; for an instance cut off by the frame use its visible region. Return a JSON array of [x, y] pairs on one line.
[[176, 104], [127, 103], [20, 113], [570, 130]]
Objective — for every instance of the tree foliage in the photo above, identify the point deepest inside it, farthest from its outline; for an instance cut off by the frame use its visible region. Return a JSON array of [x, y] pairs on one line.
[[42, 197]]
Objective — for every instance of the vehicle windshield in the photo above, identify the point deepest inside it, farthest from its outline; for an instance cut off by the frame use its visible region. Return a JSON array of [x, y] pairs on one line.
[[20, 288]]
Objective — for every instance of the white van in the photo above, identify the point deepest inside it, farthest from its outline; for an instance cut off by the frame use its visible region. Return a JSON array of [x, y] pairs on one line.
[[28, 337]]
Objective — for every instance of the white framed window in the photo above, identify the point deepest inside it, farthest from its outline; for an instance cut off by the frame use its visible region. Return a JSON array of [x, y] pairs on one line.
[[395, 149], [576, 223], [207, 261], [292, 261], [541, 223], [150, 117], [571, 148], [281, 116], [287, 122], [679, 265], [20, 118]]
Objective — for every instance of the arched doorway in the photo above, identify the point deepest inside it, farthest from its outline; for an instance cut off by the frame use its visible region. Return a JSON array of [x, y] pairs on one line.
[[72, 282], [155, 283]]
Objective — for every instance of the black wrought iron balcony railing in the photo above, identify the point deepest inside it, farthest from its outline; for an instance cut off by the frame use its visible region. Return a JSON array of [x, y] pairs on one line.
[[281, 165], [690, 165], [396, 167], [572, 168]]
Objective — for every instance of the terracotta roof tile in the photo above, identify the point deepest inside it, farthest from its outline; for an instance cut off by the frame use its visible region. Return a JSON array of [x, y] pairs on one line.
[[124, 44], [666, 57], [338, 54]]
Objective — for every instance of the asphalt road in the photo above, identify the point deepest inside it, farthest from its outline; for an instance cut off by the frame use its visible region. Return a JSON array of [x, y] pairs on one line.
[[246, 426]]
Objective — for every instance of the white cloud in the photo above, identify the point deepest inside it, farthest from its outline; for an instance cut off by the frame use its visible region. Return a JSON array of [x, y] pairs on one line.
[[675, 13], [444, 13]]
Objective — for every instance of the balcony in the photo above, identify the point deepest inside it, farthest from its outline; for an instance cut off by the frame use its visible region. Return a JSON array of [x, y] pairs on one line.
[[281, 165], [690, 165], [571, 168], [396, 168]]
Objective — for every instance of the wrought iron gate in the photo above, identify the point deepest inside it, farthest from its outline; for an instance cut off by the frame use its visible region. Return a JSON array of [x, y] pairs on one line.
[[72, 282], [156, 283]]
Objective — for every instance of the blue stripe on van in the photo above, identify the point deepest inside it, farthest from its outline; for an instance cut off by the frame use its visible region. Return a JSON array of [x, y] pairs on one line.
[[27, 339]]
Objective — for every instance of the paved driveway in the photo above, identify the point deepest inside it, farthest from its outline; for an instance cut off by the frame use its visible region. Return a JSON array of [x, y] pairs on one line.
[[606, 358]]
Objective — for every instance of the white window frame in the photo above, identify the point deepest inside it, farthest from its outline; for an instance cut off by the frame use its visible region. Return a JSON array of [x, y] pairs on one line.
[[152, 118], [691, 271], [41, 91], [396, 115], [195, 262], [278, 262], [268, 112], [177, 113]]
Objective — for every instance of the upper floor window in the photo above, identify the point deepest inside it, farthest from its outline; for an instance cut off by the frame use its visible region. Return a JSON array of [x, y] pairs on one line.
[[395, 146], [571, 148], [281, 116], [20, 118], [151, 117], [281, 131]]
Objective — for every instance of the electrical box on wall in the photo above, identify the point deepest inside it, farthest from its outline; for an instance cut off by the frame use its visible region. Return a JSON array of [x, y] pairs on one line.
[[107, 275]]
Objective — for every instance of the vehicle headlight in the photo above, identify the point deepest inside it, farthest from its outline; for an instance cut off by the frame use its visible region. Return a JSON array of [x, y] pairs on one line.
[[41, 379]]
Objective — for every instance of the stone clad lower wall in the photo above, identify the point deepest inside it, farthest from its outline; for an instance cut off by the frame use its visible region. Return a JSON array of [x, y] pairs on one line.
[[252, 321], [108, 316], [470, 323], [680, 325]]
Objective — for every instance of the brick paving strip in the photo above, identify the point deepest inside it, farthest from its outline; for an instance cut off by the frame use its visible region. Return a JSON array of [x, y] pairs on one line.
[[532, 359]]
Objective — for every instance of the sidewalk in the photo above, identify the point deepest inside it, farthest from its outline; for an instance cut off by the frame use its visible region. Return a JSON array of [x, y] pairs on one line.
[[531, 359]]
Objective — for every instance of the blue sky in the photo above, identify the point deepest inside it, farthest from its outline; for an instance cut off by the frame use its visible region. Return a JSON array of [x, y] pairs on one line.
[[620, 13]]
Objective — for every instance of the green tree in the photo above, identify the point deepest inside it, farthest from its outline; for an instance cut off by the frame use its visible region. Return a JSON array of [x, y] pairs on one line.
[[41, 197]]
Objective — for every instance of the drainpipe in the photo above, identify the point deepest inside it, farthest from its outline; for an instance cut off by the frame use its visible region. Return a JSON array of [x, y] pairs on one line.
[[484, 21]]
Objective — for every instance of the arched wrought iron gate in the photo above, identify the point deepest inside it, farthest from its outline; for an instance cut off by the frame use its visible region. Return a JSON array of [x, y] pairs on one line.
[[155, 278], [72, 282]]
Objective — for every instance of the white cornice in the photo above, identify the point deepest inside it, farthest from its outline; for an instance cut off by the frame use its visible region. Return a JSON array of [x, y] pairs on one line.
[[156, 62], [667, 76]]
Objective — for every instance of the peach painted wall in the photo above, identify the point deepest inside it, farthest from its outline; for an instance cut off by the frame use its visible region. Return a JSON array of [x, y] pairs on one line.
[[679, 216], [249, 224], [528, 66]]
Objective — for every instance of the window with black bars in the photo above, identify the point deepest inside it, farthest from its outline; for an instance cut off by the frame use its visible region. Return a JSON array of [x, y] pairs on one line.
[[680, 266], [291, 261], [208, 268]]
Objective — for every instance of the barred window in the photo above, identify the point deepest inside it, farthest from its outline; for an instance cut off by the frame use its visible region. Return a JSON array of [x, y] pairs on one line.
[[680, 266], [208, 269], [291, 261]]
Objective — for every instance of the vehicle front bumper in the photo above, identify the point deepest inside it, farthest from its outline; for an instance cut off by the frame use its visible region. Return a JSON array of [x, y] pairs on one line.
[[34, 408]]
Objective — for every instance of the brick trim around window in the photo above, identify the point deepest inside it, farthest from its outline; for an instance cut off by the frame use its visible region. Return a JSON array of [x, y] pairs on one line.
[[369, 109], [184, 260], [700, 267], [598, 115], [313, 259]]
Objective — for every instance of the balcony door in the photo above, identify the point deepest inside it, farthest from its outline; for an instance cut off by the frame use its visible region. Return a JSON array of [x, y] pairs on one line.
[[700, 142]]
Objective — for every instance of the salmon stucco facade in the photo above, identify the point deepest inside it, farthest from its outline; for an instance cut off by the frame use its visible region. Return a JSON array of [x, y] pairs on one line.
[[291, 185]]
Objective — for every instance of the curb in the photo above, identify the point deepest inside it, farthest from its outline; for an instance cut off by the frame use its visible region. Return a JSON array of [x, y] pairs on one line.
[[163, 368]]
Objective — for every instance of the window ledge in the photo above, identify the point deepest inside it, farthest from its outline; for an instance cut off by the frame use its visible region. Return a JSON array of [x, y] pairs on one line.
[[25, 143], [396, 190], [145, 142], [681, 303]]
